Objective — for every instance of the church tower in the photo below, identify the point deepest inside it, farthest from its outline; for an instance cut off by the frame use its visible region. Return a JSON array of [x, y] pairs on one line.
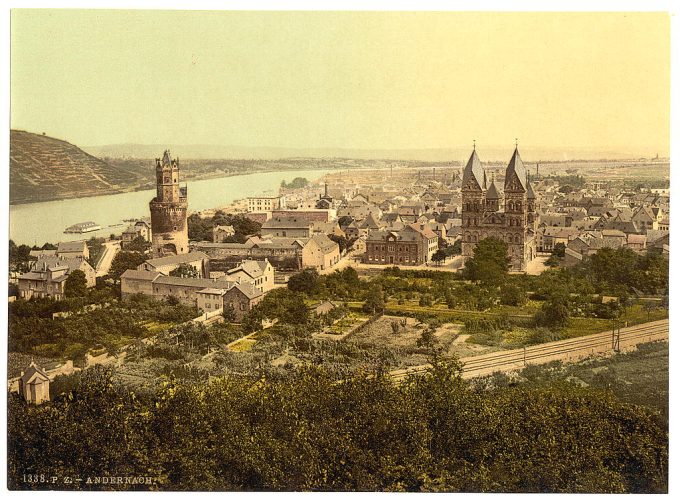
[[169, 230], [516, 208], [473, 188]]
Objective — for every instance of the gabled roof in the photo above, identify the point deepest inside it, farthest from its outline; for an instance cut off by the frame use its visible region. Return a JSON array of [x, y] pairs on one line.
[[473, 170], [644, 213], [324, 243], [140, 275], [251, 268], [192, 282], [71, 246], [423, 230], [177, 259], [516, 169], [248, 290], [33, 373]]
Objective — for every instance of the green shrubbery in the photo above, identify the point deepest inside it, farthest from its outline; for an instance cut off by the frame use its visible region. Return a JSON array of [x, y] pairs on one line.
[[308, 431]]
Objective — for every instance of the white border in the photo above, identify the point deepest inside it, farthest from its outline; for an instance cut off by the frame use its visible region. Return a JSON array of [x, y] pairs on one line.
[[365, 5]]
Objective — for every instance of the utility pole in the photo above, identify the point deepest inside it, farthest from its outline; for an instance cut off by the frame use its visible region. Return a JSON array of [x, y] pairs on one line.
[[616, 335]]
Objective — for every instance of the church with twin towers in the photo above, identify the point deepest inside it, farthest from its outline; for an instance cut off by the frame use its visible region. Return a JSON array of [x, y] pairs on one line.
[[510, 216]]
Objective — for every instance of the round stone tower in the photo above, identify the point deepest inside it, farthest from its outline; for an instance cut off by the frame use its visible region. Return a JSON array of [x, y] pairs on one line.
[[169, 231]]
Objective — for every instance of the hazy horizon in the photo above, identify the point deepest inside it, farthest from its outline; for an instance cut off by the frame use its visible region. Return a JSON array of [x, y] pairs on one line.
[[344, 81]]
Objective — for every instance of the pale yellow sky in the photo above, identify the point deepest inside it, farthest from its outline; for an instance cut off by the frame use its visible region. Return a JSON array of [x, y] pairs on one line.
[[354, 80]]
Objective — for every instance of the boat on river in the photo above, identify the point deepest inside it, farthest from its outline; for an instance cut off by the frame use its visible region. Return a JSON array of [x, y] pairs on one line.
[[83, 227]]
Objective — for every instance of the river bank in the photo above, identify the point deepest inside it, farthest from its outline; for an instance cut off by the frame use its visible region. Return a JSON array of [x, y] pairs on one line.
[[37, 223]]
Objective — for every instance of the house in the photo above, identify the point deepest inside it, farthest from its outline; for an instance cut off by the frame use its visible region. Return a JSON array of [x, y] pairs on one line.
[[408, 247], [34, 385], [166, 264], [636, 242], [644, 220], [258, 273], [548, 237], [222, 232], [161, 286], [210, 299], [290, 227], [241, 299], [137, 282], [48, 275], [320, 252], [139, 228], [429, 236], [265, 203], [73, 249]]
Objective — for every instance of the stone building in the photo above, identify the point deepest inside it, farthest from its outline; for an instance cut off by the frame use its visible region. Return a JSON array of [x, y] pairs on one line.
[[290, 227], [242, 298], [48, 276], [73, 249], [166, 265], [483, 217], [408, 246], [34, 385], [320, 252], [139, 228], [220, 233], [169, 230], [265, 203]]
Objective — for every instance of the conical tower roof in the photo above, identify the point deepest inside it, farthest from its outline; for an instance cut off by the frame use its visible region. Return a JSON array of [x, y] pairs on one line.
[[492, 193], [516, 170], [530, 191], [473, 170]]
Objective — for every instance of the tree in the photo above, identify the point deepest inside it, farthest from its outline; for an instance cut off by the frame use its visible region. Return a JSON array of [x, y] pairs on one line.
[[75, 284], [282, 304], [185, 271], [375, 302], [439, 256], [554, 312], [427, 338], [123, 261], [229, 313], [489, 263], [306, 281], [139, 244], [511, 295], [559, 250], [457, 247], [341, 241]]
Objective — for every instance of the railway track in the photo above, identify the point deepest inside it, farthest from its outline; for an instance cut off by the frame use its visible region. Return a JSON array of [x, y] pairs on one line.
[[571, 349]]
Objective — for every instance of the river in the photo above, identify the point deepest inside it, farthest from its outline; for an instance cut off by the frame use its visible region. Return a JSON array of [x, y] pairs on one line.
[[37, 223]]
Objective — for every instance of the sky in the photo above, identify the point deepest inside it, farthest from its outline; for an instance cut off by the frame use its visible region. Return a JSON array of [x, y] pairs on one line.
[[362, 80]]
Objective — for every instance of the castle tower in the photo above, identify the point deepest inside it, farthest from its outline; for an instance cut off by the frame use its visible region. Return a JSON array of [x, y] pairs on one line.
[[472, 189], [169, 230], [515, 190]]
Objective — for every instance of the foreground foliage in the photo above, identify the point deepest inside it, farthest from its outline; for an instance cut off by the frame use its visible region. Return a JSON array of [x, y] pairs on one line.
[[310, 432]]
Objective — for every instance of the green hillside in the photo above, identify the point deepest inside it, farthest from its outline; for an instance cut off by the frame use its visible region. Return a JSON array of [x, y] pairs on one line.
[[44, 168]]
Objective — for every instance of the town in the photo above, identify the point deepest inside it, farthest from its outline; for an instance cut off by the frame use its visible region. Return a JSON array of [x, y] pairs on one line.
[[339, 251], [378, 271], [221, 264]]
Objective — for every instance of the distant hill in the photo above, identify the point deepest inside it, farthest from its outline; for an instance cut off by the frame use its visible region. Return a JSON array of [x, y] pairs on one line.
[[487, 153], [42, 168]]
